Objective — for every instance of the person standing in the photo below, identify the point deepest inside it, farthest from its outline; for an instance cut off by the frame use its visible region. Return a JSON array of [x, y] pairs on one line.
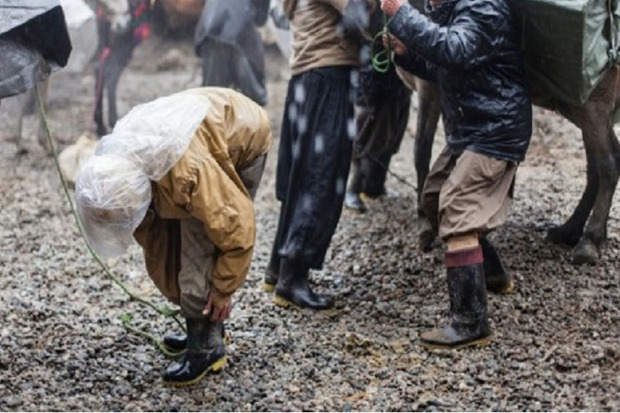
[[231, 48], [469, 48], [381, 117], [315, 146]]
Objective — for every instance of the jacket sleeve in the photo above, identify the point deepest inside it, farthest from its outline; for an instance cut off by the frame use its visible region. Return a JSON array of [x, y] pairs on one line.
[[417, 66], [465, 43], [227, 214]]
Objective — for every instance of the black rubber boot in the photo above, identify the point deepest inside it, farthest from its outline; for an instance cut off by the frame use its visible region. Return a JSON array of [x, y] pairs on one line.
[[271, 274], [293, 288], [175, 342], [468, 311], [354, 202], [497, 279], [205, 352]]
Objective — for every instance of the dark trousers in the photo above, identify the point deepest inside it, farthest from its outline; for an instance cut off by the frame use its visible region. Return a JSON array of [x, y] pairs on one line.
[[314, 158], [380, 131]]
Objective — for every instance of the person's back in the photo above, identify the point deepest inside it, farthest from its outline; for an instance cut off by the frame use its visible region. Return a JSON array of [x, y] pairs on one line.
[[317, 35], [473, 56]]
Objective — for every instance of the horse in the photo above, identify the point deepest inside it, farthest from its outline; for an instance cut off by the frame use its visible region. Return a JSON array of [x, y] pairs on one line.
[[116, 49], [586, 229]]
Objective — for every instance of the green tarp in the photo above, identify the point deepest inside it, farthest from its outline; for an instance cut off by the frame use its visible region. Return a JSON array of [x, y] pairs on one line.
[[567, 45]]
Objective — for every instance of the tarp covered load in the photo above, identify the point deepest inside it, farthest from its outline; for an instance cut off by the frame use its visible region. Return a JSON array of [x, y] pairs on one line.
[[568, 45], [33, 42]]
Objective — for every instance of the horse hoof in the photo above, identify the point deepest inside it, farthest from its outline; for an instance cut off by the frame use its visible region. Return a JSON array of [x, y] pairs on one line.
[[560, 236], [426, 237], [585, 253]]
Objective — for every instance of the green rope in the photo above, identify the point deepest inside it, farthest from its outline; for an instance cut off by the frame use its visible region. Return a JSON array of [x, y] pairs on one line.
[[381, 60], [164, 310]]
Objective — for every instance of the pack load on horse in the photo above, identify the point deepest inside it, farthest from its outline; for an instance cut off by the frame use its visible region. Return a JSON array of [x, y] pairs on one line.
[[571, 57], [34, 42], [82, 27]]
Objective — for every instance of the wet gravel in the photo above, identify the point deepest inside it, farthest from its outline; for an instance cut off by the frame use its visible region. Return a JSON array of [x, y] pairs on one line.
[[63, 345]]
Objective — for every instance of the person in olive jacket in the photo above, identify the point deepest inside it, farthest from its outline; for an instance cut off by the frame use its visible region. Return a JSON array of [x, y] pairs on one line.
[[469, 48]]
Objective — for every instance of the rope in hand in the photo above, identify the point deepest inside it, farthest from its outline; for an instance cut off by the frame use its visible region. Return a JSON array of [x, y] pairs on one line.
[[381, 60], [126, 318]]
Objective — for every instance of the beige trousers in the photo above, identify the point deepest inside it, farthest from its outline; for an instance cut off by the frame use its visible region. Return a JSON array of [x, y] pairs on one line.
[[468, 194], [198, 253]]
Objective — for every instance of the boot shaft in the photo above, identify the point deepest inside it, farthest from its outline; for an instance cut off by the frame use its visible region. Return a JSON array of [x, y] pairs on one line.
[[468, 297], [202, 334]]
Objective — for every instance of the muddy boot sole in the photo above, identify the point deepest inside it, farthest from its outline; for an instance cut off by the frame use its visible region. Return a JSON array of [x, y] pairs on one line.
[[284, 303], [213, 368], [481, 342], [507, 289], [268, 288], [288, 304]]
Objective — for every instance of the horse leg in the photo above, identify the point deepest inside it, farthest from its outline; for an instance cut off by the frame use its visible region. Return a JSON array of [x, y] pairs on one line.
[[428, 117], [119, 60], [43, 88], [604, 151], [99, 85], [18, 128], [571, 231], [607, 164]]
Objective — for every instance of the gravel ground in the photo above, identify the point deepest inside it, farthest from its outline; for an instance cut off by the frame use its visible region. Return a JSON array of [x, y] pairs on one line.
[[63, 345]]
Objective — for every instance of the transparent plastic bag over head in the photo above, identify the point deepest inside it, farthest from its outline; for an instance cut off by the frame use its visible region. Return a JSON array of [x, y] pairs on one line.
[[112, 196], [155, 135], [113, 189]]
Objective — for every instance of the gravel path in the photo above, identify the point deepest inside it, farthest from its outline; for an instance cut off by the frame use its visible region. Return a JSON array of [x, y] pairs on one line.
[[63, 345]]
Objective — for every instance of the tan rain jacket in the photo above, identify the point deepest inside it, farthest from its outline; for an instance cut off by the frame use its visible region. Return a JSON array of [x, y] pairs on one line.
[[204, 184]]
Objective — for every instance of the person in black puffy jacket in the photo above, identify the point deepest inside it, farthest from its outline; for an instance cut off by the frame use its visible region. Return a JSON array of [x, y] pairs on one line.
[[468, 47]]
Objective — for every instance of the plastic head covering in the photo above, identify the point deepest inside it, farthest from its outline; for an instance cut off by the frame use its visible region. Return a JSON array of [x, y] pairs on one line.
[[113, 188], [156, 134], [112, 196]]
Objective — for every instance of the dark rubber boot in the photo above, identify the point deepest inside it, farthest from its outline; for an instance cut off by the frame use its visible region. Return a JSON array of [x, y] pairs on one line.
[[205, 352], [468, 311], [271, 274], [175, 342], [497, 279], [354, 202], [293, 288]]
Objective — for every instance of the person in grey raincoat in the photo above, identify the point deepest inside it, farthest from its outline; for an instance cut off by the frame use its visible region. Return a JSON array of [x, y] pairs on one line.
[[231, 48], [34, 42], [469, 48]]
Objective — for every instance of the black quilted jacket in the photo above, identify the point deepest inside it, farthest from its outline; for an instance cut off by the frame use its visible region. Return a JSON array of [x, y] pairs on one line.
[[475, 61]]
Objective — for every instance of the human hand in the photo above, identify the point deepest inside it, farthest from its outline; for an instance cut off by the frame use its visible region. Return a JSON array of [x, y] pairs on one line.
[[218, 307], [390, 7], [397, 46]]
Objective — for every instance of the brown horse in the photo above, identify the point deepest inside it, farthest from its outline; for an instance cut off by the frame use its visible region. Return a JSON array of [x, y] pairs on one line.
[[586, 229]]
